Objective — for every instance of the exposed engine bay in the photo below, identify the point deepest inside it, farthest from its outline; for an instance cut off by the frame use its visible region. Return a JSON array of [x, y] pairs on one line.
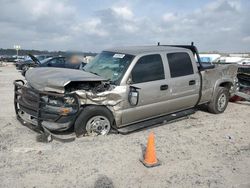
[[95, 87]]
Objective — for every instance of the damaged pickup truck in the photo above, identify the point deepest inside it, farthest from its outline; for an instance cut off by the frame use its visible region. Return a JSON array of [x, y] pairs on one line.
[[123, 89]]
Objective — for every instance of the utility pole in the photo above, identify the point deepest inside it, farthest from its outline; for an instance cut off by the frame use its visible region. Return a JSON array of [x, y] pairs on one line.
[[17, 47]]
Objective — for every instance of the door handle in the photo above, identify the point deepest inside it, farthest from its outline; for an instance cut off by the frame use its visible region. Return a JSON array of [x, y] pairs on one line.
[[191, 82], [164, 87]]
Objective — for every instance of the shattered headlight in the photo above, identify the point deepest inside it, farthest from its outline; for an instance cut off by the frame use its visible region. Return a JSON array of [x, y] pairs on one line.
[[69, 100], [55, 101], [60, 105], [58, 101]]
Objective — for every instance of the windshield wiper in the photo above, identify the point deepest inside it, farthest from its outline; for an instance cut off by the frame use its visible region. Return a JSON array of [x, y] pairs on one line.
[[93, 73], [108, 81]]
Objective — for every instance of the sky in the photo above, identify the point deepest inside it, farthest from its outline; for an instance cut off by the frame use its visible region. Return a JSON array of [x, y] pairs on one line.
[[94, 25]]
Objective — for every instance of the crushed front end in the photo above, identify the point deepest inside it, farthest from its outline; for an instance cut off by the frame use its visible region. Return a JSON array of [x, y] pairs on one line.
[[45, 111]]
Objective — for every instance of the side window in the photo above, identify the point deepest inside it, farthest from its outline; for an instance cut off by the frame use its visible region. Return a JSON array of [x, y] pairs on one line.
[[148, 68], [72, 65], [57, 62], [179, 64]]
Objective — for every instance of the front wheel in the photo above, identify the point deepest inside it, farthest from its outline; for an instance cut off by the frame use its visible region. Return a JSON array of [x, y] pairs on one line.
[[94, 120], [219, 103]]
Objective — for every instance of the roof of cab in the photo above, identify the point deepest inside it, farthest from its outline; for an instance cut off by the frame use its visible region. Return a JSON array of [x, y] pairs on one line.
[[136, 50]]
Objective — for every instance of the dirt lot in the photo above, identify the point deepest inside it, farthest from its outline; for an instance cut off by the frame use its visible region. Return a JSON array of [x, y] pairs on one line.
[[203, 151]]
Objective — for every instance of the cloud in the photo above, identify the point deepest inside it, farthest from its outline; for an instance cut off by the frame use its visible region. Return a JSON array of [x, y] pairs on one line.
[[218, 25], [27, 13], [28, 21], [124, 12], [64, 25], [246, 39], [112, 22], [92, 27], [169, 17]]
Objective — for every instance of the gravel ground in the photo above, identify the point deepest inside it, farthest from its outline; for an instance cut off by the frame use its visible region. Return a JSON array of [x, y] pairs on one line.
[[204, 150]]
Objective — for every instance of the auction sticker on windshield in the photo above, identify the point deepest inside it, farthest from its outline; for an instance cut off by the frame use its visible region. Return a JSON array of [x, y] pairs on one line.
[[118, 55]]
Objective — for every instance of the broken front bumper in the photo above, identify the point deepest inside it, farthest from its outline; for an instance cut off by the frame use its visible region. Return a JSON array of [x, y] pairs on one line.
[[42, 111]]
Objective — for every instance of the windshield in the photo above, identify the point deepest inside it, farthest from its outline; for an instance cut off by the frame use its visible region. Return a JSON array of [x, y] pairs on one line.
[[40, 57], [109, 65], [45, 60]]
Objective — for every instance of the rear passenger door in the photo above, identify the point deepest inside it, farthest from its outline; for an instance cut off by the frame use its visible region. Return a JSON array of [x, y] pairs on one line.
[[148, 75], [184, 81]]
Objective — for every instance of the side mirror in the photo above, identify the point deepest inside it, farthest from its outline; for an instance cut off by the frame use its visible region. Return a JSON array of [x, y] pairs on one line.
[[207, 66], [133, 96]]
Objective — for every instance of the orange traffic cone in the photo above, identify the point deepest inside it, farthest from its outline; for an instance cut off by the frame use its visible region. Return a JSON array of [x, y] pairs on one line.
[[150, 159]]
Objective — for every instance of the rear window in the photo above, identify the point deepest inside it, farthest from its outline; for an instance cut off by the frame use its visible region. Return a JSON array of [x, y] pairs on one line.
[[179, 64]]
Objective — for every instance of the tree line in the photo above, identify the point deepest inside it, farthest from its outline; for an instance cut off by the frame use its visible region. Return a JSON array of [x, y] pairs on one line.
[[23, 52]]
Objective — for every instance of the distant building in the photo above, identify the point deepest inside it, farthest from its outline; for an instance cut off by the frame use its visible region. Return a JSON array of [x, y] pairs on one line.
[[239, 55], [230, 59]]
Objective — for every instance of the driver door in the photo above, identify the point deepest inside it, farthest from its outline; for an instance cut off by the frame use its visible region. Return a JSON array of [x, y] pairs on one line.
[[149, 76]]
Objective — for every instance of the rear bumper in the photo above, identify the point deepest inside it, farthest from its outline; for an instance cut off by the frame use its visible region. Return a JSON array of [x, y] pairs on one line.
[[33, 111]]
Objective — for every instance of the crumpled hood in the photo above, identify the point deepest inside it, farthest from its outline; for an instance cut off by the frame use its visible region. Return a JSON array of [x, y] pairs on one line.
[[55, 79]]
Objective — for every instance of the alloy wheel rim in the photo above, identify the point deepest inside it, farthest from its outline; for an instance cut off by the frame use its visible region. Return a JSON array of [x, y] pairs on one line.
[[98, 125], [222, 101]]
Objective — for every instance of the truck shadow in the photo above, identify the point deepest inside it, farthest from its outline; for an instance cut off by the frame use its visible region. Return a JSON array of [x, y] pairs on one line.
[[203, 108]]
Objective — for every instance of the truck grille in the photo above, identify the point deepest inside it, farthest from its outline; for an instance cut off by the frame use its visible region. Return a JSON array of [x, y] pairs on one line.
[[31, 102], [30, 98]]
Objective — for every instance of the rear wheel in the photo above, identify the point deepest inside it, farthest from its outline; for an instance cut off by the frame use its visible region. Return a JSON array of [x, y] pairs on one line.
[[220, 101], [94, 120]]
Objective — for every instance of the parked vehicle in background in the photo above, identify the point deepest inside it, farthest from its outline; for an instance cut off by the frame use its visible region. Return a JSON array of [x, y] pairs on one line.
[[124, 89], [243, 85], [245, 61], [29, 62], [58, 61], [209, 58], [8, 58], [244, 76], [230, 59]]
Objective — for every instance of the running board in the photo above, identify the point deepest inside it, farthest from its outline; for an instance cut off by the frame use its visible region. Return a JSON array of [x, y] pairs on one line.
[[154, 121]]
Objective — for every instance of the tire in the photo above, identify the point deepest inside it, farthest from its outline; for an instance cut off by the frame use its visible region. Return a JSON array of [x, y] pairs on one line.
[[220, 101], [90, 115]]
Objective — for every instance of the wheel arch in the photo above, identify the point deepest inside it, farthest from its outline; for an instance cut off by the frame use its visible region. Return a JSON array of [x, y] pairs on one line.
[[102, 106], [227, 83]]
